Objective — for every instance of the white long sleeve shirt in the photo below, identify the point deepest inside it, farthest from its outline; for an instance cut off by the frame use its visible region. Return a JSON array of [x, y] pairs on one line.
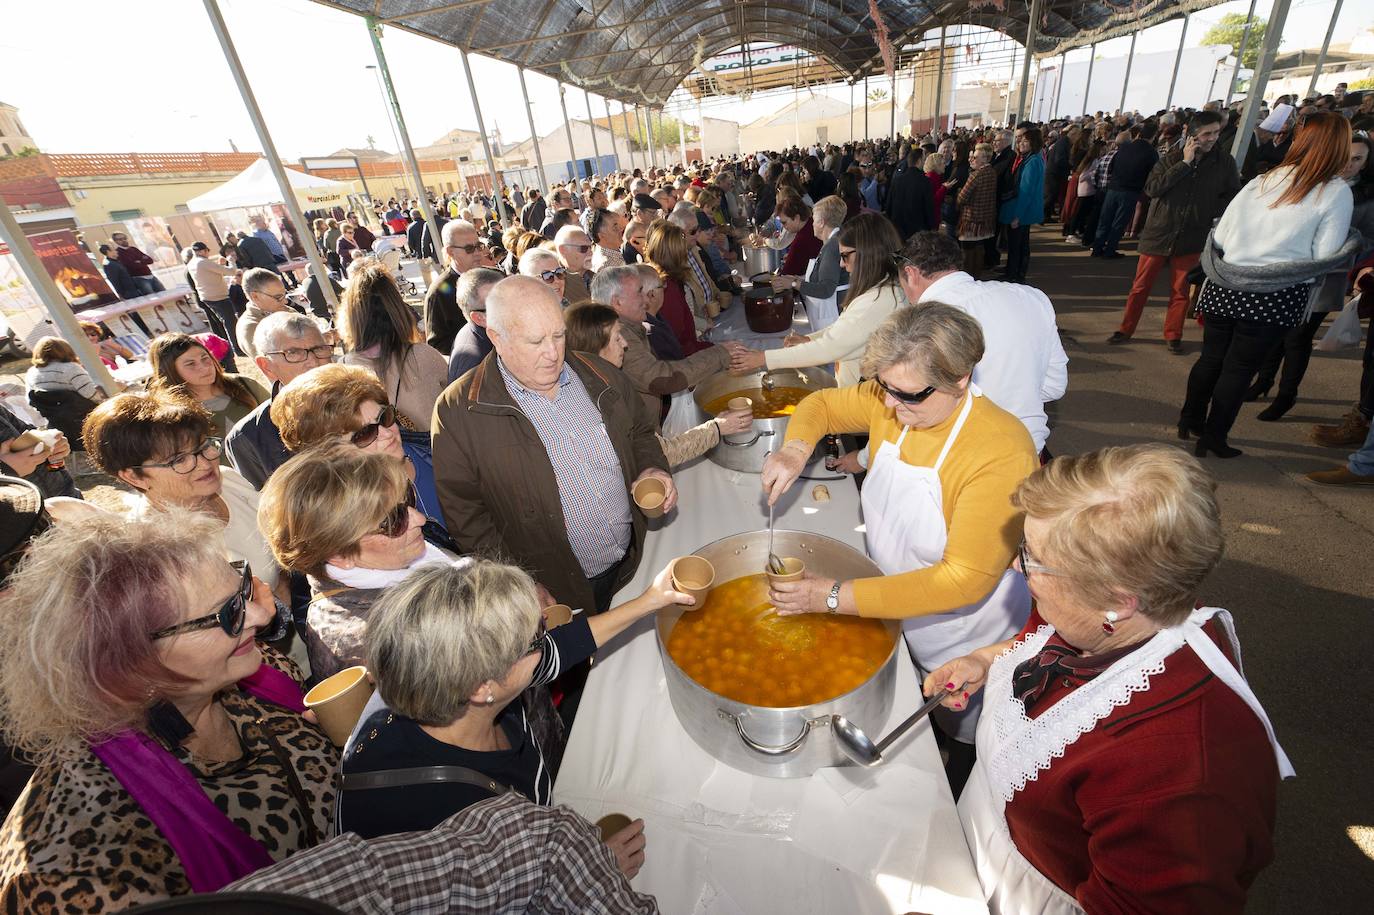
[[845, 340], [1024, 365], [1252, 234]]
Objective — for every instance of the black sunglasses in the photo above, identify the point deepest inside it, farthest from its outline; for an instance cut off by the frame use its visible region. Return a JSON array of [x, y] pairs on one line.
[[905, 397], [397, 521], [229, 616], [368, 433]]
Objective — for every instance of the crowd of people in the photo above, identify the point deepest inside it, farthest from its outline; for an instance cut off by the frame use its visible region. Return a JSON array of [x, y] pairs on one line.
[[419, 482]]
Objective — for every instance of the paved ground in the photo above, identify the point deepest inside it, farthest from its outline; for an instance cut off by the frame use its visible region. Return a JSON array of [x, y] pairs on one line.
[[1297, 574]]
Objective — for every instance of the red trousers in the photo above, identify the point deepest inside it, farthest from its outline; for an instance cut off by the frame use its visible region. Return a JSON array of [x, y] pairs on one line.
[[1146, 270]]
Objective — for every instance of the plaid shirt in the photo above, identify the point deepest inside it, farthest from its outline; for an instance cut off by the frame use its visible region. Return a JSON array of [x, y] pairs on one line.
[[502, 855], [591, 487], [1100, 169]]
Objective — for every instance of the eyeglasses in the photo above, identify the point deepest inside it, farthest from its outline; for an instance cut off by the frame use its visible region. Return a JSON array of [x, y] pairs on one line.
[[229, 616], [581, 249], [183, 463], [549, 276], [905, 397], [537, 643], [280, 297], [1029, 565], [298, 354], [467, 249], [397, 521], [368, 433], [846, 255]]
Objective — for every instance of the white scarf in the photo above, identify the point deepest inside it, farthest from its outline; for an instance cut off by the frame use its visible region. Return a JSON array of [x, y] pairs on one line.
[[374, 579]]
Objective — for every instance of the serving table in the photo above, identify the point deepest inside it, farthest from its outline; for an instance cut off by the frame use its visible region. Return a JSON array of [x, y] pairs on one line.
[[720, 841]]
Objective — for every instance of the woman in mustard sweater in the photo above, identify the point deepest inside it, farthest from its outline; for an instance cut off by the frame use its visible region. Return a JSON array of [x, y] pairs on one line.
[[937, 500]]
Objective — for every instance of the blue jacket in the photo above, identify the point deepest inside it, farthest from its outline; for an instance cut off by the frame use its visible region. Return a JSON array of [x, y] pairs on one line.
[[1029, 203]]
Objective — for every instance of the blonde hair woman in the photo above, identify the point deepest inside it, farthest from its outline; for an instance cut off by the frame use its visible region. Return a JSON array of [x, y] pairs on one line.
[[1119, 727]]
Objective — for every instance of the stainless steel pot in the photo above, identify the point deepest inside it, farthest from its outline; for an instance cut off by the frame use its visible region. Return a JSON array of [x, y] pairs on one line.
[[747, 451], [778, 742], [757, 260]]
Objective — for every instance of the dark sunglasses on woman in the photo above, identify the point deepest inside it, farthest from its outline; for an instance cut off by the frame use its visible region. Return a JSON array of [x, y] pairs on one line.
[[368, 433], [397, 521], [228, 617], [905, 397]]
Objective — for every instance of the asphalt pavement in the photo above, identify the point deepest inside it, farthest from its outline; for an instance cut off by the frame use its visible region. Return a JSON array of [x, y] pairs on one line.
[[1297, 574]]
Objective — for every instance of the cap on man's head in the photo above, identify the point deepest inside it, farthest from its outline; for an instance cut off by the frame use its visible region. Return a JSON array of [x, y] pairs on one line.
[[200, 246], [645, 202]]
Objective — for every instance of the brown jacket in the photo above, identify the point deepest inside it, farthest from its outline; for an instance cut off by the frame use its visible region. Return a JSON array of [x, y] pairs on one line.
[[978, 205], [656, 378], [575, 288], [496, 483]]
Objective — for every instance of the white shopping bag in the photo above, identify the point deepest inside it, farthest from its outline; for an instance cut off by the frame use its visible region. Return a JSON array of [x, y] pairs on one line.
[[1345, 330]]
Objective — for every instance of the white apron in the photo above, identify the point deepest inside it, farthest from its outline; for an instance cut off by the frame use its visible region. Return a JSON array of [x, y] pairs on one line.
[[820, 313], [1012, 750], [905, 530]]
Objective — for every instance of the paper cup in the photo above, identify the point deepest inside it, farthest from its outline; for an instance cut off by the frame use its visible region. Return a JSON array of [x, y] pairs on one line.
[[557, 615], [740, 403], [794, 566], [694, 575], [338, 702], [611, 824], [649, 494]]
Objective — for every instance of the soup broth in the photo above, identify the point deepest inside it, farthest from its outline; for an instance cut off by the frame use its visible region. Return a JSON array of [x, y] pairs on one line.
[[780, 401], [735, 648]]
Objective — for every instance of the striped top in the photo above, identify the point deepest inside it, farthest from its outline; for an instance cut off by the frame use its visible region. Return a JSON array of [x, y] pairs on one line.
[[591, 486]]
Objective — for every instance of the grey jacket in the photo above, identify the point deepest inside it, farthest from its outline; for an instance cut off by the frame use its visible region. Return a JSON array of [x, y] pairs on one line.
[[828, 276], [1273, 277], [337, 619]]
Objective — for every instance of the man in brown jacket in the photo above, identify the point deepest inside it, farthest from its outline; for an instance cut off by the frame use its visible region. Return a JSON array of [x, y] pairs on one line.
[[654, 378], [1188, 189], [535, 452]]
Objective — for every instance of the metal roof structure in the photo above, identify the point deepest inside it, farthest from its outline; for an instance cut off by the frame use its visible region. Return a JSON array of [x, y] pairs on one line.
[[639, 51]]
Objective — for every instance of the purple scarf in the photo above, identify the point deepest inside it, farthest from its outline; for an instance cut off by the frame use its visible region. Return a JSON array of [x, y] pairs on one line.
[[213, 851]]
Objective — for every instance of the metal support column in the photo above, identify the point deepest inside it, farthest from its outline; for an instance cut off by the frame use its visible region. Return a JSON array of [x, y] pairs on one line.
[[486, 144], [615, 147], [1059, 85], [865, 107], [629, 137], [534, 135], [649, 120], [1178, 59], [1254, 97], [567, 129], [1087, 86], [1326, 44], [892, 127], [851, 111], [1126, 82], [1026, 60], [682, 141], [269, 149], [940, 80], [45, 287], [596, 148], [1240, 52]]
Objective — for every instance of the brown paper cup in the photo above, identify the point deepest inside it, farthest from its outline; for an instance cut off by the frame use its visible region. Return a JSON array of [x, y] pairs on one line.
[[338, 702], [649, 494], [695, 576], [794, 566], [611, 824], [557, 615], [740, 403]]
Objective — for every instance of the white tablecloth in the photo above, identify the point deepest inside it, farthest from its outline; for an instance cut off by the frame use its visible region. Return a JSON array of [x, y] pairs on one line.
[[720, 841]]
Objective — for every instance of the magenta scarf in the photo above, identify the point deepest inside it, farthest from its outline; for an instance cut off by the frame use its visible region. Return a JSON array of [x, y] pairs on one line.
[[213, 851]]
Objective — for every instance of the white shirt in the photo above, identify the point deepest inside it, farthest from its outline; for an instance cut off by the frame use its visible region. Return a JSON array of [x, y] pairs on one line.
[[1024, 364], [845, 340], [1251, 234]]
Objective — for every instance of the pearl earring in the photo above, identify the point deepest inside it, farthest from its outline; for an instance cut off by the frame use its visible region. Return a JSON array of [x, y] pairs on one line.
[[490, 699], [1108, 624]]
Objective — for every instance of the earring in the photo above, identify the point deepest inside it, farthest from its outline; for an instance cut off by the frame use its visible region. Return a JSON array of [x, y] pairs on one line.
[[1108, 622], [490, 699]]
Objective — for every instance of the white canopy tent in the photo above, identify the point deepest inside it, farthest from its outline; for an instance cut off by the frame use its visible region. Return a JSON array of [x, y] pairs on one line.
[[256, 186]]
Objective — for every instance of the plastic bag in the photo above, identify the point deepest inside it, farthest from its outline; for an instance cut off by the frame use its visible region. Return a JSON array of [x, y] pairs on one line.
[[1345, 330]]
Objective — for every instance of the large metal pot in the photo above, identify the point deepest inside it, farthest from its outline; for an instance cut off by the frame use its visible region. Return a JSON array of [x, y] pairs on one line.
[[757, 260], [747, 451], [778, 742]]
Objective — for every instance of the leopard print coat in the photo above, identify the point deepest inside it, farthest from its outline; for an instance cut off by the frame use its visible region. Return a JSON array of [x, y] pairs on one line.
[[76, 842]]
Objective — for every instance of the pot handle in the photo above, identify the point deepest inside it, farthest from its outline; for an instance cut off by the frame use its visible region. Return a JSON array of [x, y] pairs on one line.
[[768, 750], [757, 435]]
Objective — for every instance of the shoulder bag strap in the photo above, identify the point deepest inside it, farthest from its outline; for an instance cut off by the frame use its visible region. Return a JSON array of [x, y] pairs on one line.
[[423, 775]]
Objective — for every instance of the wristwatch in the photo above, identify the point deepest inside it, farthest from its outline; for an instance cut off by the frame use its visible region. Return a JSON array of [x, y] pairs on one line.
[[832, 601]]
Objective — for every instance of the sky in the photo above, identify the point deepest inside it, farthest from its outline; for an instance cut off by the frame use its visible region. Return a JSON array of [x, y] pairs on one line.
[[149, 76]]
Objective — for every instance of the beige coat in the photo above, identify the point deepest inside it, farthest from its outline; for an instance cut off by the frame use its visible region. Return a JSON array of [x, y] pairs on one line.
[[423, 378], [655, 378]]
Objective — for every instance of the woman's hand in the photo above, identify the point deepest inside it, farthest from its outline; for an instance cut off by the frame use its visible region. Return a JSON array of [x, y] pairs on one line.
[[628, 848], [746, 362], [806, 595], [782, 281], [795, 340], [22, 462], [1016, 223], [733, 422], [961, 678], [60, 448], [661, 593], [783, 467], [845, 463]]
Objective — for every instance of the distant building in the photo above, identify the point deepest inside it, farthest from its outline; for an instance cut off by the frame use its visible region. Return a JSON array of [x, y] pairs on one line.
[[14, 138]]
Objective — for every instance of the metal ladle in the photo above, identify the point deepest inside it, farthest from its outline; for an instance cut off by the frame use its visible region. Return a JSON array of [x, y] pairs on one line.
[[775, 565], [855, 744]]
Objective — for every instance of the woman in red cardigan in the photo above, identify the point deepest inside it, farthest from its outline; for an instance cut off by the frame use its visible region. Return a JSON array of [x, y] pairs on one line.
[[666, 250], [1123, 762], [795, 216]]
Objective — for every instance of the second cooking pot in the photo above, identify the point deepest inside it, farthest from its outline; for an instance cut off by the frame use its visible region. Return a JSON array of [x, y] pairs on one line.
[[747, 451]]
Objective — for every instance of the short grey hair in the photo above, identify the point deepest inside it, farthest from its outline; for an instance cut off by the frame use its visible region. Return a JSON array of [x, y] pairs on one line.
[[280, 326], [606, 284], [256, 280], [513, 294], [444, 630], [470, 286], [684, 216], [939, 342], [531, 259], [830, 210], [648, 276], [453, 227]]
